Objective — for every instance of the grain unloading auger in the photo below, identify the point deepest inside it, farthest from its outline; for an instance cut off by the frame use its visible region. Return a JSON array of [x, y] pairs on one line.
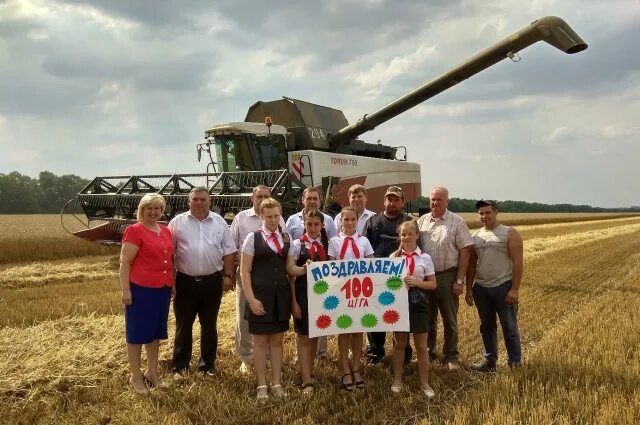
[[289, 144]]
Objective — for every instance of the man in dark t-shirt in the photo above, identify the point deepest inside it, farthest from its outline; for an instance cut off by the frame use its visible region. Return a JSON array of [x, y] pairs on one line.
[[382, 231]]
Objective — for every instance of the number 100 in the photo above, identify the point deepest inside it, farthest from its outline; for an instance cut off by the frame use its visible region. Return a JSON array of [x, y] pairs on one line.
[[353, 287]]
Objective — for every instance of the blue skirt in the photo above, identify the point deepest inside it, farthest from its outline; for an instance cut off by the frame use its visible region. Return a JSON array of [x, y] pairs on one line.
[[145, 320]]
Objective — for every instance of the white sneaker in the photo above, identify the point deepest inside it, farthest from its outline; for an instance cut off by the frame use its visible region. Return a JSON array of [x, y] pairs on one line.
[[245, 368], [452, 366]]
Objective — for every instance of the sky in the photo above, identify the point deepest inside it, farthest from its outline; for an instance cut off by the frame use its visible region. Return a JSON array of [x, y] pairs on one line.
[[128, 87]]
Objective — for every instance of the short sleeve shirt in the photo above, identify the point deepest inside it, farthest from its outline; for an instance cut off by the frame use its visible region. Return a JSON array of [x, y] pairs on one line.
[[295, 225], [152, 266], [200, 245], [335, 246], [362, 221], [245, 222], [296, 246], [248, 246], [443, 238], [424, 265]]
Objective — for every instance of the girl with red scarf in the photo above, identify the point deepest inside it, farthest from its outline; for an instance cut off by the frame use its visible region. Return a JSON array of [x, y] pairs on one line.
[[312, 246], [420, 278], [348, 245], [266, 285]]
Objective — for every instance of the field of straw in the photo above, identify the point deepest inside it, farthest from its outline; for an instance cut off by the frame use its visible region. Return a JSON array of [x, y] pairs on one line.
[[62, 351]]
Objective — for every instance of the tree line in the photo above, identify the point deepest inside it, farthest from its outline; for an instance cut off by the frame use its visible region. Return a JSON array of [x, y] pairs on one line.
[[21, 194], [461, 205]]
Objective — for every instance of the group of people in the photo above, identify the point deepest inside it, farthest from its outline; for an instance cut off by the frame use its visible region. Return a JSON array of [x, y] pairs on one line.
[[194, 260]]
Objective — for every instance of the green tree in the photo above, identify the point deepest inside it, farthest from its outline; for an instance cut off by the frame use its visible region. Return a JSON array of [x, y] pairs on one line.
[[18, 193]]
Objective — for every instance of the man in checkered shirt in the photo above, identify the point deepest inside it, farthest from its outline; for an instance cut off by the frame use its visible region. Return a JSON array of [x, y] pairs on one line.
[[446, 238]]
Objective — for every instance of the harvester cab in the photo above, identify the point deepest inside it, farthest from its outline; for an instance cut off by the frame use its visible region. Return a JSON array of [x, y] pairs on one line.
[[245, 146], [289, 144], [294, 135]]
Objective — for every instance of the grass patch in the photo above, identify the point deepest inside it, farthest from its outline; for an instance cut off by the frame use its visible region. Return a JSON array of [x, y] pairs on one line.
[[41, 237]]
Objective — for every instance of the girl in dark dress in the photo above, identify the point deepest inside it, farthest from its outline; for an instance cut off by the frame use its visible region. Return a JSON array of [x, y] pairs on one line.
[[266, 285], [312, 246], [420, 278]]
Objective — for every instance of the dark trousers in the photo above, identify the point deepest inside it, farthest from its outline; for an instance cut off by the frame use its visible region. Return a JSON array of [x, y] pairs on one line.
[[199, 296], [491, 302], [376, 346], [443, 300]]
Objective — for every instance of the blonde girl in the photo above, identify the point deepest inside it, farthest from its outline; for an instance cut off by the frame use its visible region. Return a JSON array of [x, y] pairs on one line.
[[420, 278], [263, 263]]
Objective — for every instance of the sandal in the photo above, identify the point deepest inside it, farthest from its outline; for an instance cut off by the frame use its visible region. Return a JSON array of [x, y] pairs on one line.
[[428, 391], [396, 388], [358, 383], [278, 391], [157, 382], [347, 386], [261, 393], [139, 390], [307, 388]]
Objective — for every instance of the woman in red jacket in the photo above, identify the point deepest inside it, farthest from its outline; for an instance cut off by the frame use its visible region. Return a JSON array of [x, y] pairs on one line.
[[146, 278]]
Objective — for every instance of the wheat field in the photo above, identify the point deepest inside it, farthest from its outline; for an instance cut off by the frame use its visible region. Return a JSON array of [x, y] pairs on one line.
[[62, 351]]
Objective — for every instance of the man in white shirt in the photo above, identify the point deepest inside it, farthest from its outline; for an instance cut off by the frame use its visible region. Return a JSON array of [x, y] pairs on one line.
[[245, 222], [310, 202], [204, 261], [358, 200]]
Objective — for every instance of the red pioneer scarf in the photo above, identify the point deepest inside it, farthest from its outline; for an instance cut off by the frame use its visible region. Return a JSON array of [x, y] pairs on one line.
[[274, 237], [316, 248], [354, 247], [411, 262]]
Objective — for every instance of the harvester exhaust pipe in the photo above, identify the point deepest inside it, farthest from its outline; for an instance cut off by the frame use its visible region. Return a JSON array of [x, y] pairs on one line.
[[551, 29]]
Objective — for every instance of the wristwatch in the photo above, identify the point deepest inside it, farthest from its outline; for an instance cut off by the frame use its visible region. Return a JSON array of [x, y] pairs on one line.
[[459, 281]]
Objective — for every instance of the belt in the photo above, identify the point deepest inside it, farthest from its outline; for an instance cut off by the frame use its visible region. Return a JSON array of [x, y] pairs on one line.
[[449, 270], [200, 278]]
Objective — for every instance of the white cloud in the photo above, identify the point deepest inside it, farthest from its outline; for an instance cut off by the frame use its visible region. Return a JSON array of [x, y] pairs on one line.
[[91, 87], [560, 134], [373, 81], [615, 131]]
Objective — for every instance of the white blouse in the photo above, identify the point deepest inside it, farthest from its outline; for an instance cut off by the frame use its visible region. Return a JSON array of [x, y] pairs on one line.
[[296, 246], [335, 246], [248, 246], [424, 265]]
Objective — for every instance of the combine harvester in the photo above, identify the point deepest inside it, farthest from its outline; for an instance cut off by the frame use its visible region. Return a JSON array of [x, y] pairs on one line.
[[290, 144]]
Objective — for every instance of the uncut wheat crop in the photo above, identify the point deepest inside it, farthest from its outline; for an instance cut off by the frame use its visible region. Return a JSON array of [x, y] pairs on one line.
[[63, 358], [41, 237]]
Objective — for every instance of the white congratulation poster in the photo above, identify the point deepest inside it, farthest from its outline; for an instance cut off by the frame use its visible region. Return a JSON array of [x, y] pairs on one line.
[[350, 296]]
